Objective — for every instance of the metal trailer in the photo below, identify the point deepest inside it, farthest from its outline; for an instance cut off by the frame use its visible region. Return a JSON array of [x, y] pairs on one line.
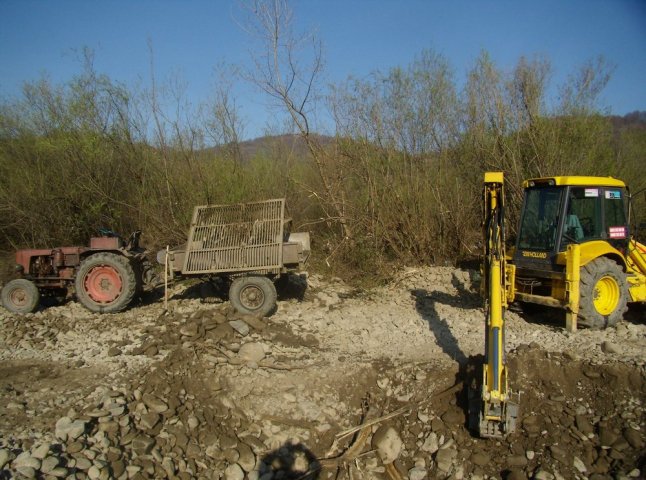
[[247, 244]]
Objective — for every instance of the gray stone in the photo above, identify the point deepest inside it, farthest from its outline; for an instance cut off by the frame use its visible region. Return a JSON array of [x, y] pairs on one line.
[[444, 459], [516, 475], [193, 422], [142, 444], [246, 458], [74, 447], [417, 473], [149, 420], [610, 348], [48, 464], [239, 326], [27, 472], [68, 430], [153, 403], [94, 472], [543, 475], [59, 472], [251, 352], [559, 454], [431, 444], [168, 466], [516, 460], [579, 465], [40, 451], [633, 438], [26, 460], [228, 442], [189, 330], [583, 424], [480, 459], [234, 472], [607, 436], [388, 444], [83, 463], [5, 456], [98, 413], [114, 352]]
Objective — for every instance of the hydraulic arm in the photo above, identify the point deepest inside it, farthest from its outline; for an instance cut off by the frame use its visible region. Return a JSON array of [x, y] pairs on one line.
[[492, 411]]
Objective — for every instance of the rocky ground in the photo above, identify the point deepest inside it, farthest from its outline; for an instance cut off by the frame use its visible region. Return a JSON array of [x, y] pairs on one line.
[[339, 383]]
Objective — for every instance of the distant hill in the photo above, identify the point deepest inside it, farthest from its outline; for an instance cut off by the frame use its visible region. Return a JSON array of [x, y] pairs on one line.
[[636, 119], [292, 144]]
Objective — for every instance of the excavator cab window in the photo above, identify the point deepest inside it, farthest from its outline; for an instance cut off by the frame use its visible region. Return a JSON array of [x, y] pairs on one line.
[[594, 213], [540, 219], [583, 215]]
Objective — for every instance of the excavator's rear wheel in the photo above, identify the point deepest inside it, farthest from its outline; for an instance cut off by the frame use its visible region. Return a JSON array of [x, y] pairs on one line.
[[603, 294]]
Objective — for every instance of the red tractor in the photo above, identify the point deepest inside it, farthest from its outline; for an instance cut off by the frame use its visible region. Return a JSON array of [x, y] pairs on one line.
[[106, 276]]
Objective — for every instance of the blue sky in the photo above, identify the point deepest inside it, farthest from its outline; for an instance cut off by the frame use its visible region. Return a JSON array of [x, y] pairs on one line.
[[190, 37]]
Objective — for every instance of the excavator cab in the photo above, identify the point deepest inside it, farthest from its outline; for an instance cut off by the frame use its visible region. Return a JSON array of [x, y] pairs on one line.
[[574, 250], [556, 214]]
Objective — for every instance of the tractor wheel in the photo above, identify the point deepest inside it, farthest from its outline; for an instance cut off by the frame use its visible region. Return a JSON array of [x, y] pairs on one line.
[[20, 296], [105, 282], [253, 295], [603, 294]]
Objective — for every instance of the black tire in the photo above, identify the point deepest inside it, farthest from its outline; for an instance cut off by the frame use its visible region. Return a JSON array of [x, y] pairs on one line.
[[20, 296], [105, 283], [253, 295], [603, 294]]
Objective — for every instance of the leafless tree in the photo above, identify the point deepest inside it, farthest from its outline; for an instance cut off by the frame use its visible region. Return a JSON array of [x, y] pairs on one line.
[[288, 67]]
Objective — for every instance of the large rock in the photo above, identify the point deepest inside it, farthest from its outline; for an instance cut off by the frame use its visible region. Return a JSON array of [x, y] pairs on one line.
[[153, 403], [68, 430], [239, 326], [388, 444], [251, 352], [143, 444], [149, 420], [431, 444], [234, 472], [417, 473], [5, 456], [246, 459], [444, 459]]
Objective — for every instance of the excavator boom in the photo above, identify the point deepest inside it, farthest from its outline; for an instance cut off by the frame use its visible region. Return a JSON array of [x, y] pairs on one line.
[[492, 413]]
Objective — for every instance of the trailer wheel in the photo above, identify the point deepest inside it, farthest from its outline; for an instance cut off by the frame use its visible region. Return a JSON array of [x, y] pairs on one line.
[[20, 296], [253, 295], [105, 283], [603, 294]]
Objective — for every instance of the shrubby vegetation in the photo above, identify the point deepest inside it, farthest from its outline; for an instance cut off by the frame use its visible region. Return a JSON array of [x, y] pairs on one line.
[[399, 182]]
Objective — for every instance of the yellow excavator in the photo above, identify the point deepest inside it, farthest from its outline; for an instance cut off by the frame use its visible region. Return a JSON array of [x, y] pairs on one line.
[[574, 250]]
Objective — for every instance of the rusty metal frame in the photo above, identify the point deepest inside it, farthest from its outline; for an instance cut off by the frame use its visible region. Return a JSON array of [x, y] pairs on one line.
[[244, 237]]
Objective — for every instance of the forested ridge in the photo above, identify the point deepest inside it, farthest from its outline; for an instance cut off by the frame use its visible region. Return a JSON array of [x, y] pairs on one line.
[[393, 178]]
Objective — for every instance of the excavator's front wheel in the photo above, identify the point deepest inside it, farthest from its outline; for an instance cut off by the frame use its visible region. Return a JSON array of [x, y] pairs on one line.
[[603, 293]]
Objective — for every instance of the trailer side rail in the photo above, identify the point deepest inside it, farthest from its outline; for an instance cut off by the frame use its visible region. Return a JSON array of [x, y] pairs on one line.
[[236, 238]]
